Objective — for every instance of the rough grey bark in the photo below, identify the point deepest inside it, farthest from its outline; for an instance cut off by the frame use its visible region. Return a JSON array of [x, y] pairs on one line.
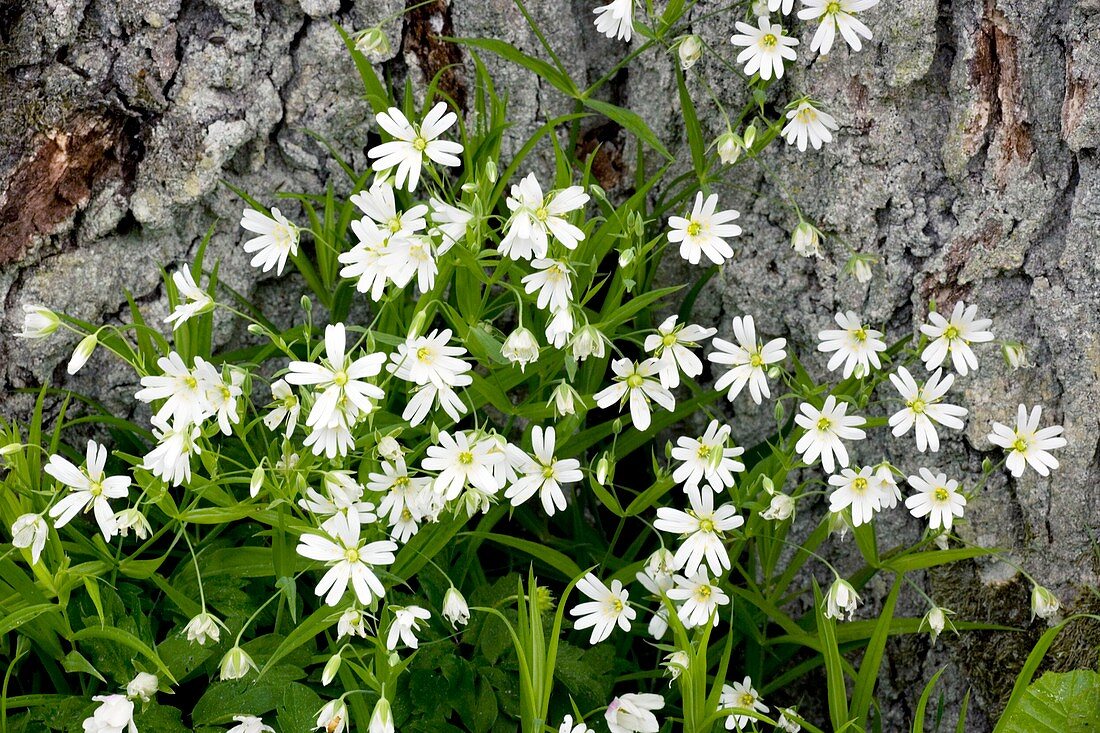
[[966, 161]]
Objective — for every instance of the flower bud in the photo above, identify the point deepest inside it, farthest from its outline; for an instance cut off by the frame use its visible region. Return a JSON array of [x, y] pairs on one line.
[[256, 482], [729, 148], [838, 524], [677, 663], [332, 666], [491, 171], [1044, 604], [38, 322], [82, 353], [626, 257], [236, 663], [936, 620], [381, 720], [333, 717], [781, 508], [588, 341], [372, 42], [521, 348], [842, 599], [30, 530], [859, 266], [750, 136], [10, 448], [144, 685], [455, 609], [1015, 354], [604, 469], [469, 187], [389, 448], [806, 240], [787, 722], [564, 398], [255, 329], [417, 324], [690, 50]]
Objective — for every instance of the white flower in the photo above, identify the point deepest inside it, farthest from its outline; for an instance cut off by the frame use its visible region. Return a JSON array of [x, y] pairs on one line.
[[704, 232], [631, 713], [30, 530], [455, 609], [567, 726], [854, 345], [286, 408], [450, 222], [672, 345], [841, 599], [1044, 604], [82, 353], [924, 407], [381, 720], [90, 489], [765, 48], [676, 664], [366, 261], [184, 394], [607, 608], [535, 217], [953, 336], [748, 360], [1015, 354], [521, 347], [857, 490], [787, 722], [202, 627], [700, 599], [429, 360], [353, 622], [334, 437], [888, 492], [1026, 444], [784, 6], [236, 664], [780, 508], [411, 144], [426, 397], [115, 714], [825, 428], [406, 622], [559, 328], [806, 240], [544, 473], [702, 528], [616, 19], [936, 618], [221, 395], [170, 459], [461, 462], [277, 240], [938, 498], [380, 205], [553, 283], [372, 42], [38, 322], [707, 457], [194, 300], [588, 341], [729, 147], [143, 685], [635, 384], [338, 377], [333, 717], [347, 559], [690, 50], [741, 695], [806, 122], [859, 267], [249, 724], [411, 256], [836, 15]]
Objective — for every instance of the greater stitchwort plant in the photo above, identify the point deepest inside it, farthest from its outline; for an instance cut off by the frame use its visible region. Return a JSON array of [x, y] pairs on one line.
[[485, 481]]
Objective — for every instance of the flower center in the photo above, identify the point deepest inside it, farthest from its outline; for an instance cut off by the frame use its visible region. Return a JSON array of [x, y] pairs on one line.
[[290, 401], [419, 143], [832, 8], [465, 458], [617, 605], [703, 592], [669, 339], [1019, 445], [351, 554], [395, 224], [401, 482], [542, 214], [859, 485], [191, 382], [95, 488], [706, 525], [406, 515], [916, 405], [634, 381], [548, 472], [283, 236], [860, 334], [807, 115], [340, 378], [423, 353], [756, 360], [747, 700], [704, 451], [226, 394], [769, 40], [694, 228], [951, 333], [941, 493], [823, 423]]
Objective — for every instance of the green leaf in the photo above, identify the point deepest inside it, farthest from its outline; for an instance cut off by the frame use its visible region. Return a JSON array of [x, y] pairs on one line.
[[922, 704], [834, 671], [872, 658], [548, 555], [630, 121], [126, 639]]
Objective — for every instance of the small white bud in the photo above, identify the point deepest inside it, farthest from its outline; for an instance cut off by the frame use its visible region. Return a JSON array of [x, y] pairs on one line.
[[455, 609], [38, 322], [82, 353], [806, 240], [236, 664], [144, 686], [203, 627], [564, 398], [780, 508], [372, 42], [132, 519], [521, 348], [729, 147], [332, 666], [588, 341], [256, 482], [690, 50], [381, 720], [842, 599], [677, 663], [1015, 354], [1045, 604], [389, 448]]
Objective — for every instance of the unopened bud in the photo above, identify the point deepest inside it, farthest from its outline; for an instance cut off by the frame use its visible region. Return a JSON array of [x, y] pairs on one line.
[[690, 50], [82, 353]]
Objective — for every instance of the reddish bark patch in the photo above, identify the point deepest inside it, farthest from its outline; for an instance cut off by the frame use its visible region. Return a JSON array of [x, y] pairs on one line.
[[1077, 95], [944, 286], [998, 111], [424, 25], [605, 143], [58, 178]]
